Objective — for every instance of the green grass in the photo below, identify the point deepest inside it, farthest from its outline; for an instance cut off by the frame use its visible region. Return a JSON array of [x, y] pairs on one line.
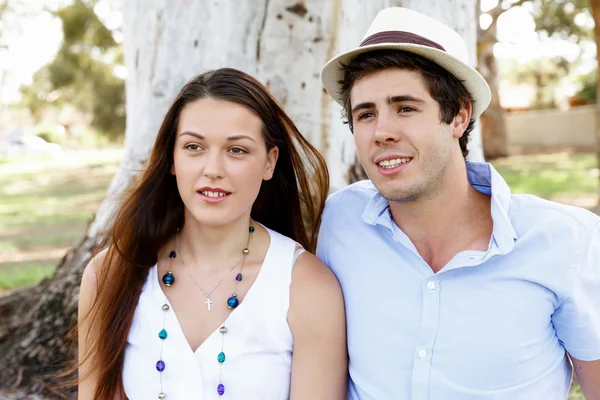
[[575, 393], [46, 204], [569, 178], [17, 275]]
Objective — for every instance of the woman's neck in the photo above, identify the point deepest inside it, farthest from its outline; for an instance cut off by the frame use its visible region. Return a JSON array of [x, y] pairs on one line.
[[212, 247]]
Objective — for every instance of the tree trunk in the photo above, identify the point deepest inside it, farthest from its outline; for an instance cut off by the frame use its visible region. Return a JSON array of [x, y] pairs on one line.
[[493, 125], [284, 43], [596, 14], [460, 15]]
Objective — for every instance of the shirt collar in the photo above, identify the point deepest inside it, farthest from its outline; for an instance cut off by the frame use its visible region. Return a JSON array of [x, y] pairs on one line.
[[483, 177]]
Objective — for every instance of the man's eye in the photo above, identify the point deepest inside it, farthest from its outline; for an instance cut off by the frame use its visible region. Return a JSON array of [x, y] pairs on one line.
[[365, 115], [406, 109]]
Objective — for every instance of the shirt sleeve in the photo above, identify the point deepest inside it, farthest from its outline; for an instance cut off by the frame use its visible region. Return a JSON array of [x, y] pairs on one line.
[[321, 251], [577, 319]]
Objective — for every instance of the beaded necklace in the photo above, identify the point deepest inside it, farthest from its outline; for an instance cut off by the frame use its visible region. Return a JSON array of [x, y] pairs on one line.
[[232, 302]]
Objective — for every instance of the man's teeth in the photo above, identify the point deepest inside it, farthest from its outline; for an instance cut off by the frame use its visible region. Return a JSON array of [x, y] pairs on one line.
[[393, 163], [213, 194]]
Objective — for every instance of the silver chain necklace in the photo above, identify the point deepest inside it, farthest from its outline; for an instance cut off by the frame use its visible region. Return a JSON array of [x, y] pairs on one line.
[[208, 301]]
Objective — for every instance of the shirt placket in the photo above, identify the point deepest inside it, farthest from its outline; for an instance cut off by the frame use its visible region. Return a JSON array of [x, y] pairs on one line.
[[427, 332]]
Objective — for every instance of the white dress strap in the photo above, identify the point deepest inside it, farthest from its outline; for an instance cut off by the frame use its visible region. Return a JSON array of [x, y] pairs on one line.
[[297, 254]]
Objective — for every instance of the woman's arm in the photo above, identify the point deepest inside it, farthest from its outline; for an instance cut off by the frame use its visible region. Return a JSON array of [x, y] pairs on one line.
[[87, 293], [588, 375], [317, 320]]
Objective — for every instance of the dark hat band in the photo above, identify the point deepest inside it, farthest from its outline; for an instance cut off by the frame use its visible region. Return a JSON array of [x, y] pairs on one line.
[[399, 37]]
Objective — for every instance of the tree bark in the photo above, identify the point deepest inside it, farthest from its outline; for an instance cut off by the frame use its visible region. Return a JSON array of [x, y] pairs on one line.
[[493, 125], [284, 43]]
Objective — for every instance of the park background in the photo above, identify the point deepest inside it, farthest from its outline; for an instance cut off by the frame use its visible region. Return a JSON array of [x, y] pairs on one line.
[[84, 85]]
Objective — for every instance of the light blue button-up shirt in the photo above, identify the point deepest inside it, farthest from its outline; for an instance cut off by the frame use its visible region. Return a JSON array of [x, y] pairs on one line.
[[491, 324]]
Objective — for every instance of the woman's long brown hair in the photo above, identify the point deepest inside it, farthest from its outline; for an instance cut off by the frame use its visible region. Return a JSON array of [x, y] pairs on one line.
[[152, 211]]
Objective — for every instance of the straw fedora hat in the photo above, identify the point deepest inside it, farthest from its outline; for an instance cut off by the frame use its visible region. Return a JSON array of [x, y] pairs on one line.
[[404, 29]]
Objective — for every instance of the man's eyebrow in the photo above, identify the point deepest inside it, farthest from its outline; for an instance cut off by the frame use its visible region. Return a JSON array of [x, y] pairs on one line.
[[362, 106], [404, 97], [390, 100]]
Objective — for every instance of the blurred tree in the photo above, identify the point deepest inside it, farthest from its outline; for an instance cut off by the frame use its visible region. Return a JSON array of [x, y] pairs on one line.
[[82, 74], [560, 19], [553, 18], [587, 92], [3, 46], [493, 126], [3, 8], [284, 43], [544, 74], [596, 15]]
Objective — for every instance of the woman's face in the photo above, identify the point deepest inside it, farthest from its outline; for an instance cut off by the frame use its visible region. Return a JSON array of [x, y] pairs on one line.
[[220, 160]]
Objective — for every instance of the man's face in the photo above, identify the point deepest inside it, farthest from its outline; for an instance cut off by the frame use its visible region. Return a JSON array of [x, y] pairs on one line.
[[404, 148]]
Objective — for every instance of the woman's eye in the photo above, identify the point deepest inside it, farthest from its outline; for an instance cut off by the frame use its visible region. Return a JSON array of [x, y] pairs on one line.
[[237, 150], [192, 147]]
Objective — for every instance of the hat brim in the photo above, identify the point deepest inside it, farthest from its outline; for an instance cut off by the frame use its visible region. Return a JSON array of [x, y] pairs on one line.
[[332, 73]]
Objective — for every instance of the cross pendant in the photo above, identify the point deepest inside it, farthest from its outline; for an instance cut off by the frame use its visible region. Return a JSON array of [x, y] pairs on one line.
[[208, 302]]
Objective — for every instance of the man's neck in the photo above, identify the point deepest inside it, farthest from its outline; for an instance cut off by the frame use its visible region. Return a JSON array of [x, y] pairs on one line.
[[454, 219]]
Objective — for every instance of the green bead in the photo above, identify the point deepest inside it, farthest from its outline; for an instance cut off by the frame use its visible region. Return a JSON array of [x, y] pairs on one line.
[[221, 358], [251, 229], [162, 334]]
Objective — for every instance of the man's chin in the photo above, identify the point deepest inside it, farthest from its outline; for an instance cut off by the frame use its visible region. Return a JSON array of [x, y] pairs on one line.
[[397, 194]]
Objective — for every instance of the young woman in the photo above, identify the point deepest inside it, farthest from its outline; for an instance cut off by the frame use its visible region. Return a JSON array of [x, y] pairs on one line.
[[205, 291]]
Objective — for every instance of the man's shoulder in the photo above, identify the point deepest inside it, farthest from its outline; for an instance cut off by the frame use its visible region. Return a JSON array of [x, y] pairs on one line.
[[358, 193], [533, 209], [347, 205]]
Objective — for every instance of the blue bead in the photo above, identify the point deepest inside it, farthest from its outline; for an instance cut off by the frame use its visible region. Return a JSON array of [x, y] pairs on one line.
[[162, 334], [168, 279], [232, 302], [221, 358], [239, 277], [221, 389], [172, 254], [160, 365]]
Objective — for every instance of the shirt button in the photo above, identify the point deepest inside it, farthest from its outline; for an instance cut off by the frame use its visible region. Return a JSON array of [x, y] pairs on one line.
[[422, 353], [430, 285]]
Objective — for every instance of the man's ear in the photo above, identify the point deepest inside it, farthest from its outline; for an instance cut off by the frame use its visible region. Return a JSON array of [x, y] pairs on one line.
[[461, 121], [272, 157]]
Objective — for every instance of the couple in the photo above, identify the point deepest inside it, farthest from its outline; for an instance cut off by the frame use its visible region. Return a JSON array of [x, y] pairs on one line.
[[452, 287]]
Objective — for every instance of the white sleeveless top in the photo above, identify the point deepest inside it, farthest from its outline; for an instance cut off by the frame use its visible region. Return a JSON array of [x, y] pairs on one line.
[[258, 343]]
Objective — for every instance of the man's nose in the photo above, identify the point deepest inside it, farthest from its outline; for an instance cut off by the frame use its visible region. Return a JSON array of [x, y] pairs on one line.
[[387, 129]]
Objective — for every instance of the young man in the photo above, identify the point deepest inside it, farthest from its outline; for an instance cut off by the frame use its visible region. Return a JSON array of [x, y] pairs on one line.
[[454, 288]]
